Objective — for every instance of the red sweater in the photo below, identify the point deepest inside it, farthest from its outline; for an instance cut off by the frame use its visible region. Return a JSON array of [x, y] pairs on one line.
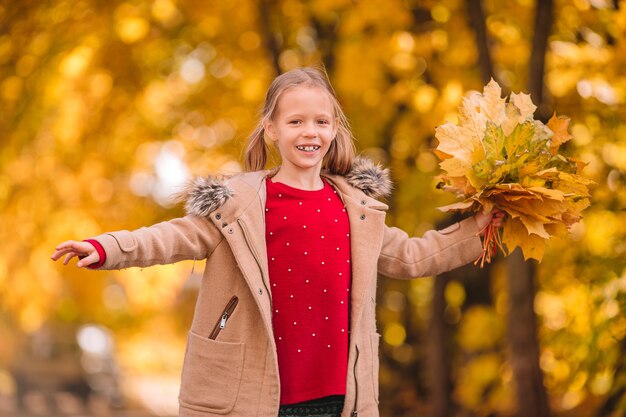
[[308, 248]]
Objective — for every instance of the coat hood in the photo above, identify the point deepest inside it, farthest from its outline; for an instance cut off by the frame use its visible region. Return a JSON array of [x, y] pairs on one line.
[[203, 195]]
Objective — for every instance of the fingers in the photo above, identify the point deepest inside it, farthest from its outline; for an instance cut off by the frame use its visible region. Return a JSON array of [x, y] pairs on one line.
[[71, 249], [89, 260], [58, 254], [483, 219], [69, 257], [497, 218], [70, 245], [63, 249]]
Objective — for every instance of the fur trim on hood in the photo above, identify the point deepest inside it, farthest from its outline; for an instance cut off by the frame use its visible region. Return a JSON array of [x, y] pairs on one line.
[[204, 195], [370, 178]]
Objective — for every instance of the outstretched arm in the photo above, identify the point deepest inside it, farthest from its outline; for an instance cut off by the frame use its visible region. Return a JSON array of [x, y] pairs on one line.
[[437, 251], [189, 237]]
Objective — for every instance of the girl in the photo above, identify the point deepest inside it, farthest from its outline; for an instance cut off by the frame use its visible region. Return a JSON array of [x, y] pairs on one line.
[[285, 318]]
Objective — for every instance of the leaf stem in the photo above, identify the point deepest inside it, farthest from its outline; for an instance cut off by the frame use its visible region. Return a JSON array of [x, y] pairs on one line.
[[491, 241]]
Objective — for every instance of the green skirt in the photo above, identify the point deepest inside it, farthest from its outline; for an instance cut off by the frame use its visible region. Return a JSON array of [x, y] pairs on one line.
[[321, 407]]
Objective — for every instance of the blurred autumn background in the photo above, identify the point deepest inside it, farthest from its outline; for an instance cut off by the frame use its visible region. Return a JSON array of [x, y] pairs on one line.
[[107, 107]]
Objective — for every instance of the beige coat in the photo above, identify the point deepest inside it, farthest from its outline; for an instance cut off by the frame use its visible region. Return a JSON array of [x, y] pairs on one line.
[[233, 370]]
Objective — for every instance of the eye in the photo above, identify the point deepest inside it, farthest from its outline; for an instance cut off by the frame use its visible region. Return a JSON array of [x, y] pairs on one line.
[[323, 122], [294, 122]]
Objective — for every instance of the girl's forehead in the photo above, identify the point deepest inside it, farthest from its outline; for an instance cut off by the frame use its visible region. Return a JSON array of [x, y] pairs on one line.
[[305, 94], [305, 89]]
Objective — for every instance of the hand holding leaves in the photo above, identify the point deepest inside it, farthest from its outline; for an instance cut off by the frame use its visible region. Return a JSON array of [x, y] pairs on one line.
[[498, 156]]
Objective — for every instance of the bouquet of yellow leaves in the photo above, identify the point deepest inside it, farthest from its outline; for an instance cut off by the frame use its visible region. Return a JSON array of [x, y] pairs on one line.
[[498, 156]]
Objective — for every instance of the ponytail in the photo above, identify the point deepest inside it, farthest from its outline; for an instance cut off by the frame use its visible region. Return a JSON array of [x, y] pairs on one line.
[[342, 150], [255, 156]]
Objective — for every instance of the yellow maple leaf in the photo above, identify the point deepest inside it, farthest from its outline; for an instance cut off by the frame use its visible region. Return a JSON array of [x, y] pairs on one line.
[[557, 229], [571, 184], [513, 117], [546, 192], [515, 235], [457, 185], [525, 105], [558, 126], [492, 104], [534, 226], [539, 209], [473, 121], [463, 205], [456, 167], [521, 208], [580, 165], [452, 141], [442, 155]]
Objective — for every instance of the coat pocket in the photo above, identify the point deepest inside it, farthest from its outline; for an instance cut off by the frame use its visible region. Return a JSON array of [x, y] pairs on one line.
[[212, 374]]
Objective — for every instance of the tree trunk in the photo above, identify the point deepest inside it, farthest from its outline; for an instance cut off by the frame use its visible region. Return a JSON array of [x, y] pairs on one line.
[[543, 25], [266, 8], [477, 21], [522, 335], [327, 34], [438, 352], [522, 325]]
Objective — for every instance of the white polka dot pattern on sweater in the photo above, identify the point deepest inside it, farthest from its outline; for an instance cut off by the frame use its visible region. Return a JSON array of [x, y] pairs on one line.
[[307, 235]]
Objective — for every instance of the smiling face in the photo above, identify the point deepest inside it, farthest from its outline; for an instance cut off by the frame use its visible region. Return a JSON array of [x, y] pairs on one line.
[[303, 128]]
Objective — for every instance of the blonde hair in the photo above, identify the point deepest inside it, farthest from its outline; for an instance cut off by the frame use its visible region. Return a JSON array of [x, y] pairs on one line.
[[340, 155]]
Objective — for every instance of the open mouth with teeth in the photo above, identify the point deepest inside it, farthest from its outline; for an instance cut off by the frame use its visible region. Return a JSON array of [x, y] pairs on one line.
[[310, 148]]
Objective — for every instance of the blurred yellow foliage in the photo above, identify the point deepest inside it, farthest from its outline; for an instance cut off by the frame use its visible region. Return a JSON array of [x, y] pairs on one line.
[[480, 329], [108, 106]]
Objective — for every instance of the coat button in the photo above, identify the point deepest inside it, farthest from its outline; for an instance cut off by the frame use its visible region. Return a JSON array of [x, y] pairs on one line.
[[260, 291], [218, 216], [362, 202], [231, 231], [362, 216]]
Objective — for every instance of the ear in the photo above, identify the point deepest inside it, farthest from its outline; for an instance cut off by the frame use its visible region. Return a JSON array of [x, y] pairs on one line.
[[335, 128], [270, 130]]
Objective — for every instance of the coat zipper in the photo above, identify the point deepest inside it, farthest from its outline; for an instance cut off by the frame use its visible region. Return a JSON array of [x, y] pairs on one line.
[[245, 236], [221, 323], [354, 412]]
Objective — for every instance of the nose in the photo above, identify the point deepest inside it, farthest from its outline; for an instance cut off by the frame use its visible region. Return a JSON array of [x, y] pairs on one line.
[[310, 129]]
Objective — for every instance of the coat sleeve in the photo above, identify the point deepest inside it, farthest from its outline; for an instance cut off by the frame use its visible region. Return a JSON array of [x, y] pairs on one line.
[[436, 252], [189, 237]]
